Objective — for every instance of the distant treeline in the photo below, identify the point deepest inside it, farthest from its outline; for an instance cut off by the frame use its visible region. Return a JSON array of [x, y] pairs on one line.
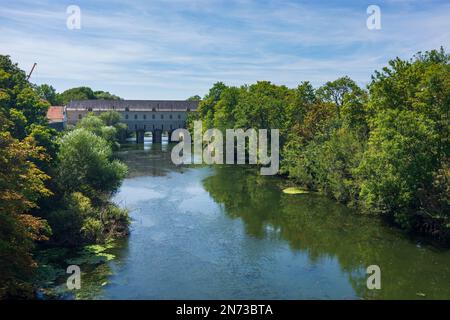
[[49, 93], [383, 149]]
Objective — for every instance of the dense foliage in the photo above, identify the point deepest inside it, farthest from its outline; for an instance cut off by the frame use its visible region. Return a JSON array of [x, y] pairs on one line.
[[384, 149], [54, 188]]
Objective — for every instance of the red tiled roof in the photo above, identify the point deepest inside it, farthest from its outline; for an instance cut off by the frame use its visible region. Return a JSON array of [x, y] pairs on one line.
[[55, 114]]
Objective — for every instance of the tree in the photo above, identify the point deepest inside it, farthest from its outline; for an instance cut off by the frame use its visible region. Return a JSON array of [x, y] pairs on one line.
[[421, 85], [262, 106], [79, 93], [18, 100], [85, 165], [224, 115], [354, 113], [46, 138], [194, 98], [21, 186], [105, 95], [86, 176], [398, 164], [206, 108], [48, 93], [335, 92], [91, 123], [107, 125], [110, 118], [417, 92], [303, 98]]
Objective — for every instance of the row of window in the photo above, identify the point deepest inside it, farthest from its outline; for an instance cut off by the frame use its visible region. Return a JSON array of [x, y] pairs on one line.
[[136, 116], [153, 116], [128, 109], [153, 127]]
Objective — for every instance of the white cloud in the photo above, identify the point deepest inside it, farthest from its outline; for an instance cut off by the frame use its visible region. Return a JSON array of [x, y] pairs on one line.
[[174, 49]]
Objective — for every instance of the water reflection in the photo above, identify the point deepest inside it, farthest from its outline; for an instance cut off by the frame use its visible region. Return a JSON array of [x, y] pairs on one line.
[[226, 232], [322, 229]]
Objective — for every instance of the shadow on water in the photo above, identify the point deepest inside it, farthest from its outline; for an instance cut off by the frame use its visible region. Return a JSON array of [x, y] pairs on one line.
[[322, 229]]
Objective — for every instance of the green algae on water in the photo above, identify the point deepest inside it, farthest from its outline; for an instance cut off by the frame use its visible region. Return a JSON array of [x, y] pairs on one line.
[[295, 190]]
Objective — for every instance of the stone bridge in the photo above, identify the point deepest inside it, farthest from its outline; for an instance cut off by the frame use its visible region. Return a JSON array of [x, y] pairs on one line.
[[141, 116]]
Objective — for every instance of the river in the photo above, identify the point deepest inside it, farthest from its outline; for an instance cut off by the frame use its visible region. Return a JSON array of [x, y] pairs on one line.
[[226, 232]]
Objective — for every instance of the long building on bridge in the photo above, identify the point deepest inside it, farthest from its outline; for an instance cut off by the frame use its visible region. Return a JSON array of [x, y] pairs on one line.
[[156, 116]]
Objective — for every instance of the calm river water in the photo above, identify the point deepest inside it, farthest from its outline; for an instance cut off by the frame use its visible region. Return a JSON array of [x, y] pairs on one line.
[[229, 233]]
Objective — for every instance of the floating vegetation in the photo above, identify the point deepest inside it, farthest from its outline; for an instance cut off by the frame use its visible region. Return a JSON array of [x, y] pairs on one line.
[[295, 190], [51, 275], [93, 254], [93, 282], [421, 294]]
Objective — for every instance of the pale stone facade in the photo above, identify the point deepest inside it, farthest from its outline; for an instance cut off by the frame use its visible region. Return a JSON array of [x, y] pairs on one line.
[[156, 116]]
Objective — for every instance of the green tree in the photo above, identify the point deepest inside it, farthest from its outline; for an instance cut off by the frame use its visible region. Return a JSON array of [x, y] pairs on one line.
[[48, 93], [398, 164], [46, 138], [105, 95], [86, 165], [303, 98], [263, 106], [335, 92], [91, 123], [107, 125], [224, 117], [21, 186], [206, 108], [194, 98], [110, 118], [79, 93], [18, 100]]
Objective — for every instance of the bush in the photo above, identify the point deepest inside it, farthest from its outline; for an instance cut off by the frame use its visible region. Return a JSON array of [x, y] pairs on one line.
[[85, 165], [78, 221], [398, 164], [67, 221], [92, 230]]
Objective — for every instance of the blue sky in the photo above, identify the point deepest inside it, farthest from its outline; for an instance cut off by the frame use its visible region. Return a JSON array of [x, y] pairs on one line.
[[163, 49]]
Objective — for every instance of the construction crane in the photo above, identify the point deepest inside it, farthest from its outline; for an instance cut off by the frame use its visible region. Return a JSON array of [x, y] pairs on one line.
[[29, 75]]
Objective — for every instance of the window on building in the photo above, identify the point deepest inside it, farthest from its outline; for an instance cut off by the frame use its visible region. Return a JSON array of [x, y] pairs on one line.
[[126, 116], [145, 116], [179, 116], [135, 116], [170, 116], [80, 116], [162, 116], [153, 116]]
